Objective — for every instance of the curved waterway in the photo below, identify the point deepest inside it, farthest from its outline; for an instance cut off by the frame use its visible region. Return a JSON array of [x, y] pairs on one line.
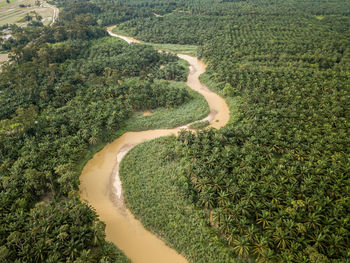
[[100, 185]]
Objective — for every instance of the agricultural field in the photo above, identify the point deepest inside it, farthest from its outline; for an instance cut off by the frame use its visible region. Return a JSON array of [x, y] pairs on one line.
[[12, 13]]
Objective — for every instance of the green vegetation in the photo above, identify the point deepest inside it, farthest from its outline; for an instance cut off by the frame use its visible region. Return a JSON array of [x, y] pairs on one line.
[[194, 109], [175, 48], [6, 2], [275, 181], [199, 125], [67, 91], [156, 194], [271, 186]]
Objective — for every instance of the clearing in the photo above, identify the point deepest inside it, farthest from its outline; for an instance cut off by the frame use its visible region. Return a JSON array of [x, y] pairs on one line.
[[12, 13]]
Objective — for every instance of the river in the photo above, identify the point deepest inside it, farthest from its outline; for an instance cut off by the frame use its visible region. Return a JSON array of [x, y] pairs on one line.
[[100, 185]]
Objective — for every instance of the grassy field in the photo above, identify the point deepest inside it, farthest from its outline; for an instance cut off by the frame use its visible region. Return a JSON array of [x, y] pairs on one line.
[[183, 49], [3, 58], [11, 13]]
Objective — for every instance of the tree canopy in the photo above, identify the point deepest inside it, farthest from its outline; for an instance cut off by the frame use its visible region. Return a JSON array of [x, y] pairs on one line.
[[274, 183]]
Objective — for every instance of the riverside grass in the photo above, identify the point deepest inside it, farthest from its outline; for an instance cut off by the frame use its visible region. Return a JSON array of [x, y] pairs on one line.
[[199, 125], [232, 102], [161, 118], [196, 108], [154, 191], [175, 48]]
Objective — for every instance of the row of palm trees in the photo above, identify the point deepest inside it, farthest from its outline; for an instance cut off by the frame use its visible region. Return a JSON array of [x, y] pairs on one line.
[[266, 216]]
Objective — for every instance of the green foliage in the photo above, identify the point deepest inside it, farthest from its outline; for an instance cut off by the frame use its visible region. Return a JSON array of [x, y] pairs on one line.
[[156, 195], [66, 92], [175, 48], [274, 200], [194, 109], [6, 2], [275, 181], [199, 125], [272, 185], [55, 232]]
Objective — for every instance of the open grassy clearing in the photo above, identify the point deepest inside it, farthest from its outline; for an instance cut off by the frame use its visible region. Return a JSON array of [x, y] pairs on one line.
[[183, 49], [3, 58], [12, 13]]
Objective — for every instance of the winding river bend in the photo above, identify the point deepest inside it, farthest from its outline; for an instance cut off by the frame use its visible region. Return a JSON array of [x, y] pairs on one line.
[[100, 185]]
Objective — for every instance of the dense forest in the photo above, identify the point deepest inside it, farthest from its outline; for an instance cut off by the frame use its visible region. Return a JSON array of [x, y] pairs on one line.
[[273, 185], [67, 89]]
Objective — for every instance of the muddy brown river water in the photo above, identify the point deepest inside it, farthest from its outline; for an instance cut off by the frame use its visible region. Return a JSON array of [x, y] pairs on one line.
[[100, 185]]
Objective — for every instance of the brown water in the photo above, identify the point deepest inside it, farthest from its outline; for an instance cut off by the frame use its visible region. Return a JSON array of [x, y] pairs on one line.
[[127, 39], [100, 185]]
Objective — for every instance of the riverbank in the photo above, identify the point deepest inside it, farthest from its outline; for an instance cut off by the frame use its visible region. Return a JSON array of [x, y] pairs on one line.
[[100, 185], [160, 118], [154, 191], [190, 50]]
